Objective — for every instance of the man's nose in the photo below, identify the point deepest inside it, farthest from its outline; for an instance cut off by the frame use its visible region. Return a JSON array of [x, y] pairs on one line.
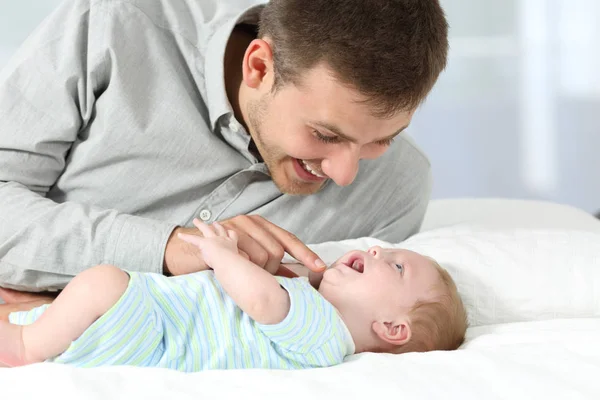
[[342, 168]]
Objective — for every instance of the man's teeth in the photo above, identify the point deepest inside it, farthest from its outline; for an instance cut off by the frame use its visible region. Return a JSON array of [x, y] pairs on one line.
[[306, 167]]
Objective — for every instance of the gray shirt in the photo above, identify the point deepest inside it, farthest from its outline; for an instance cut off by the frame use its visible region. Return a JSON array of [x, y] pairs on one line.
[[115, 127]]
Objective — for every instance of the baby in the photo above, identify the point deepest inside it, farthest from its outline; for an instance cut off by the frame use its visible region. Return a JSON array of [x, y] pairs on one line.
[[240, 316]]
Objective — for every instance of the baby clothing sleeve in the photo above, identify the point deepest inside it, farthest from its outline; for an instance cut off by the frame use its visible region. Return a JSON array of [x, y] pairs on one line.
[[312, 333]]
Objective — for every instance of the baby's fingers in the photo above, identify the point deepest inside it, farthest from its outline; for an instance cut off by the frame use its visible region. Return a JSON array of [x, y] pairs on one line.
[[206, 230], [219, 229], [232, 235]]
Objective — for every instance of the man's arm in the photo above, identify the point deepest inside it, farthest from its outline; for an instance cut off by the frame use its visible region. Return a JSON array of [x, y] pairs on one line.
[[409, 172], [252, 288], [47, 97]]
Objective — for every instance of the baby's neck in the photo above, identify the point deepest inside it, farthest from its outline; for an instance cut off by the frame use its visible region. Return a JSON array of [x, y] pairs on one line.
[[361, 333]]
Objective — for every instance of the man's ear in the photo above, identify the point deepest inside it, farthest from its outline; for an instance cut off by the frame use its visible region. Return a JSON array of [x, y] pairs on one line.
[[396, 333], [257, 66]]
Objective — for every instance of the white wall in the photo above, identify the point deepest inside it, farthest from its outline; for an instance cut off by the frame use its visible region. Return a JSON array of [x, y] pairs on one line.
[[517, 112], [17, 19]]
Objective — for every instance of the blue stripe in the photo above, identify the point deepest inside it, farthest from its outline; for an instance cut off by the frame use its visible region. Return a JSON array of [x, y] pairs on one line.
[[86, 341]]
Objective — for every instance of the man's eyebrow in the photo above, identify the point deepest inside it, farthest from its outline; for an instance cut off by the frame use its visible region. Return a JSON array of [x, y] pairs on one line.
[[338, 132]]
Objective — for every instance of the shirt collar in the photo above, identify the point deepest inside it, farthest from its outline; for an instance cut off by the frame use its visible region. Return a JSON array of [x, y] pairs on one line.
[[214, 65]]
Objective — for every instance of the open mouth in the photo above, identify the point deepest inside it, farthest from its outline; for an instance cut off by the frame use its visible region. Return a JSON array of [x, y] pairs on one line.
[[356, 262], [306, 172]]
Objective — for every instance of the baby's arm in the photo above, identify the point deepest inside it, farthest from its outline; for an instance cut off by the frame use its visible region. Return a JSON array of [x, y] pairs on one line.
[[253, 289], [85, 299]]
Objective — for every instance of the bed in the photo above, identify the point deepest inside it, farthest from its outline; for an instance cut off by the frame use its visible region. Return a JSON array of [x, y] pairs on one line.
[[529, 272]]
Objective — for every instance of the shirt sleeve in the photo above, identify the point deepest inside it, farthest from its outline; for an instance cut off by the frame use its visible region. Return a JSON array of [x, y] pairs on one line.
[[47, 95], [405, 210], [312, 323]]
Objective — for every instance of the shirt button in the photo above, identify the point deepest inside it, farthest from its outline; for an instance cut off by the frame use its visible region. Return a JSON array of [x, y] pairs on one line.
[[205, 215], [235, 127]]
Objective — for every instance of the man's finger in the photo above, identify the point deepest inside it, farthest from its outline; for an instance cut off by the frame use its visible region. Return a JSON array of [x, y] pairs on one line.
[[275, 251], [246, 244], [244, 254], [292, 245], [232, 235]]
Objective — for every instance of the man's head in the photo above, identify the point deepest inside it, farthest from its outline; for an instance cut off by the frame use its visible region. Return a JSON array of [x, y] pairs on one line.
[[332, 82], [396, 301]]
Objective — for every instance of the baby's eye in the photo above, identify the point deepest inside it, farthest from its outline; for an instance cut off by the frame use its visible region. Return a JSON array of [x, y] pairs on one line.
[[400, 267]]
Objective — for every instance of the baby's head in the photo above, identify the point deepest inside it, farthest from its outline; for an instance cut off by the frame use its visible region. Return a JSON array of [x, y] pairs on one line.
[[396, 301]]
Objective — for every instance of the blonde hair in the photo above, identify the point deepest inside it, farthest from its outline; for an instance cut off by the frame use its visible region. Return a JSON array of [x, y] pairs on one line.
[[438, 324]]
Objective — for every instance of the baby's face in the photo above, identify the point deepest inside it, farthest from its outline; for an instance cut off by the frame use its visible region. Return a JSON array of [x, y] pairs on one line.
[[368, 282]]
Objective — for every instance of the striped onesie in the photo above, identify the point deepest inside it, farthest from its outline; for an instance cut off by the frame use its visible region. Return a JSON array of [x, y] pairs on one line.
[[188, 323]]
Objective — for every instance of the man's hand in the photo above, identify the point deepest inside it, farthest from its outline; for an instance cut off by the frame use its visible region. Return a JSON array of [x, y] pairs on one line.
[[21, 301], [262, 241]]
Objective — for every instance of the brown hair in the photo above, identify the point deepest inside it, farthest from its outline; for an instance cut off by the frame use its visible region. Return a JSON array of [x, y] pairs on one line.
[[391, 51], [440, 324]]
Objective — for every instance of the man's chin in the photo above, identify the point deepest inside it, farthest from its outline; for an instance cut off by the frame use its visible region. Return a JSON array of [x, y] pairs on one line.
[[299, 188], [288, 183]]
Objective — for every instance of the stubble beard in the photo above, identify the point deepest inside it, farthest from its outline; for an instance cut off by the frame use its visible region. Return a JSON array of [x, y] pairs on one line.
[[275, 160]]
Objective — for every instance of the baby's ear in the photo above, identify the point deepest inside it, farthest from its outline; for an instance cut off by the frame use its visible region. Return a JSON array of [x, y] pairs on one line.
[[396, 333]]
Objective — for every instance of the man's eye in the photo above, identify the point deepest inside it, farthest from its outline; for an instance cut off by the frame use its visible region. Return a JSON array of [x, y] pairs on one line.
[[325, 139], [385, 142], [400, 267]]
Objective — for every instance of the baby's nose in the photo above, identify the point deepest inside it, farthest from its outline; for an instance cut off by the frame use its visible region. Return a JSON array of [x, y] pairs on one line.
[[376, 251]]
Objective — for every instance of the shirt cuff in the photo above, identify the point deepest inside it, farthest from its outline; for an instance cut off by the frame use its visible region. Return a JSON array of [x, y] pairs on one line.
[[138, 244]]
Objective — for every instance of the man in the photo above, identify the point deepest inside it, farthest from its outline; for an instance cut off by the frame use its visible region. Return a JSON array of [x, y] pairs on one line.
[[121, 121]]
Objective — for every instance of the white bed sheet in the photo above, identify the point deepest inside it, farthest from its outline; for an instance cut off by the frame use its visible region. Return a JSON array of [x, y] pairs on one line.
[[551, 359], [558, 359]]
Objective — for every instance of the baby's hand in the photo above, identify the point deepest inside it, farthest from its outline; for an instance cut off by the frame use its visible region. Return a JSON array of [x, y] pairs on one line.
[[216, 240]]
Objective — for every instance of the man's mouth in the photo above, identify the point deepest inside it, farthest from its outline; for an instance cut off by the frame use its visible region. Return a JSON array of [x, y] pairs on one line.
[[307, 172]]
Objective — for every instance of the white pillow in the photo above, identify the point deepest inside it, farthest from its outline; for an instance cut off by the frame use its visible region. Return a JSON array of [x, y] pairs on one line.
[[508, 275], [507, 214]]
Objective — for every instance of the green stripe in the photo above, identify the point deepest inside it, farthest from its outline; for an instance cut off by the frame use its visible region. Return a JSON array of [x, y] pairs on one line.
[[122, 344], [194, 342], [99, 326], [171, 349], [149, 350], [142, 336], [185, 301], [210, 333]]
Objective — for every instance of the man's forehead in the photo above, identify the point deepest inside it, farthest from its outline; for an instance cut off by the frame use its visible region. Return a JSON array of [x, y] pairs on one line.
[[321, 81]]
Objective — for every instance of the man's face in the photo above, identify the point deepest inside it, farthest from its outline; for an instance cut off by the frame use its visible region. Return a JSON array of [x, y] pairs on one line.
[[317, 131]]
